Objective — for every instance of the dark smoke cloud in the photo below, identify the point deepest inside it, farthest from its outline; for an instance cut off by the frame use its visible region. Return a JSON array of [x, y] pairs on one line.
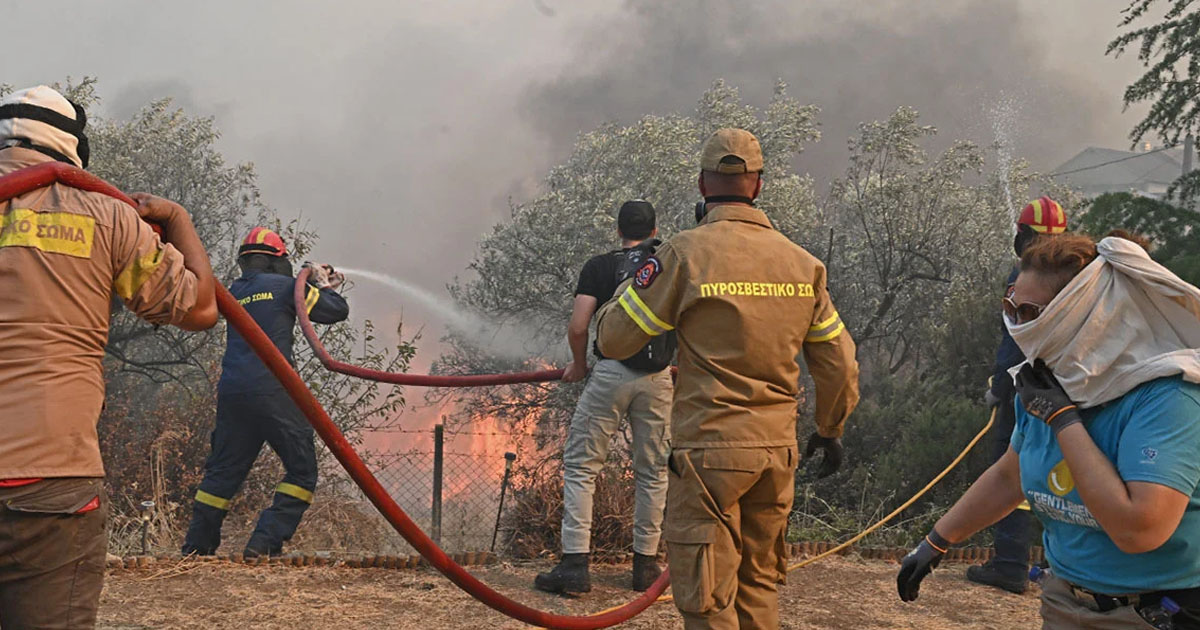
[[401, 130], [857, 61]]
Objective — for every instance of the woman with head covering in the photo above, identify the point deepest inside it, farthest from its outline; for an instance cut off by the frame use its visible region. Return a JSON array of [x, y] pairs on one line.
[[1107, 442]]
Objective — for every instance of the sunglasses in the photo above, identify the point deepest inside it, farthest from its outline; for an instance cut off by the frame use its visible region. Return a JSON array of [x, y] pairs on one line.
[[1022, 313]]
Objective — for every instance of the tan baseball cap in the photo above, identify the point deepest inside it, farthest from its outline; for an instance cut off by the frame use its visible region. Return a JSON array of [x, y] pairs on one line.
[[725, 145]]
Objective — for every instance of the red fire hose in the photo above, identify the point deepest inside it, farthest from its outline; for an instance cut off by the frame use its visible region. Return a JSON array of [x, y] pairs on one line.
[[400, 378], [29, 179]]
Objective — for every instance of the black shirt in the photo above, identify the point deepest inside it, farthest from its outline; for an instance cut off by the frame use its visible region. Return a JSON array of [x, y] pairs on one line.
[[598, 278]]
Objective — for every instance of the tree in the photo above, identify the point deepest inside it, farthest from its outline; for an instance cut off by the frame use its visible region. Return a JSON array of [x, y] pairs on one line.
[[161, 381], [1170, 51], [917, 248], [912, 236], [1174, 232], [525, 271]]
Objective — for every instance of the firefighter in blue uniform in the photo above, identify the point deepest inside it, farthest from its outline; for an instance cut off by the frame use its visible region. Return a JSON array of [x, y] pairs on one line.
[[252, 406]]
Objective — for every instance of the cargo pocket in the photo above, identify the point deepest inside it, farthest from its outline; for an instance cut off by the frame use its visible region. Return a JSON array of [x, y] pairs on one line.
[[693, 569], [781, 555]]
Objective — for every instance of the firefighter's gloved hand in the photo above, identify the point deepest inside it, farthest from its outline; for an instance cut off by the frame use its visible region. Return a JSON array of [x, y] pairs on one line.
[[1044, 398], [318, 274], [636, 256], [990, 399], [920, 562], [336, 278], [832, 459]]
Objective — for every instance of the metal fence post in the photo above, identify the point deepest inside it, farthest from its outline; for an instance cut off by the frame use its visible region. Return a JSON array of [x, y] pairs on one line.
[[508, 463], [436, 511]]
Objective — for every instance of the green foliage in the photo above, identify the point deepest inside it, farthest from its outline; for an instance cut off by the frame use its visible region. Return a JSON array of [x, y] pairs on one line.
[[910, 236], [1174, 232], [1169, 50]]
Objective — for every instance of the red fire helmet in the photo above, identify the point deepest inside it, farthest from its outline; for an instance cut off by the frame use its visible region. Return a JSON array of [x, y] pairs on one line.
[[263, 241], [1045, 216]]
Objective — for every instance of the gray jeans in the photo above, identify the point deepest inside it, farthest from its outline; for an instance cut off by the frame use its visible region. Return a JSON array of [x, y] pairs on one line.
[[614, 391]]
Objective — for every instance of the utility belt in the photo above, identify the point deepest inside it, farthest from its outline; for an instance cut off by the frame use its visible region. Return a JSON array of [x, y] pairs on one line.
[[1188, 600]]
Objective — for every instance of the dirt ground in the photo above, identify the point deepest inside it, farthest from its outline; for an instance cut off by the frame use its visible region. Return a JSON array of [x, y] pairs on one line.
[[837, 594]]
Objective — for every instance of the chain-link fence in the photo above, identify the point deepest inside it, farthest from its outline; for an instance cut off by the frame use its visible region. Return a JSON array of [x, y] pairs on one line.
[[448, 488]]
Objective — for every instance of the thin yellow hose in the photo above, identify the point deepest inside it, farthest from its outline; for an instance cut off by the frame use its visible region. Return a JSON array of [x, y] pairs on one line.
[[867, 532]]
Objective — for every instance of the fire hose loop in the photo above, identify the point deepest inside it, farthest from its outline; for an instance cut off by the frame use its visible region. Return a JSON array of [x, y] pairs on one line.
[[29, 179], [400, 378]]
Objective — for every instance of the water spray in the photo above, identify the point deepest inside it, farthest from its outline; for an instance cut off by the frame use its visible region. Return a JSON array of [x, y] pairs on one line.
[[1004, 114], [476, 328]]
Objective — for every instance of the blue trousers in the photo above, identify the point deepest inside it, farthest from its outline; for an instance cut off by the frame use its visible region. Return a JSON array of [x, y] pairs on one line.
[[244, 422]]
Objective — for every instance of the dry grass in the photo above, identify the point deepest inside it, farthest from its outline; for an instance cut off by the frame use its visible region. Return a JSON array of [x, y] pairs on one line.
[[838, 594]]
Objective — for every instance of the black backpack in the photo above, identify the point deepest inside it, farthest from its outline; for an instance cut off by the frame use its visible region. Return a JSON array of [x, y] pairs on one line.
[[656, 355]]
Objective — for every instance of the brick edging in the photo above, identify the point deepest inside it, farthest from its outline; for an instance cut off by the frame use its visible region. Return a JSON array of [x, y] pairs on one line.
[[968, 555]]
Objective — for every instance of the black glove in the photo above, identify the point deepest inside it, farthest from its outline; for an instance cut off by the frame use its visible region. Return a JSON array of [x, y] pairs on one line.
[[1044, 398], [832, 460], [635, 256], [920, 562]]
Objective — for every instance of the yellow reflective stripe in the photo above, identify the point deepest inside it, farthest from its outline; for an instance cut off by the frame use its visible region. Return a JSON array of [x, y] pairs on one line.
[[649, 313], [262, 236], [131, 279], [212, 499], [51, 232], [827, 337], [1024, 506], [637, 319], [292, 490], [825, 324], [311, 299], [1037, 211]]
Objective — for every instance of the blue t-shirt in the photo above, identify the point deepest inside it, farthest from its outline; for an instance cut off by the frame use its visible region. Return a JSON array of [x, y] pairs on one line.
[[1151, 434]]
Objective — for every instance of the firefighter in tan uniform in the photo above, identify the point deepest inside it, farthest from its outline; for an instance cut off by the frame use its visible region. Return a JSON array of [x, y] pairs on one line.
[[746, 303], [63, 254]]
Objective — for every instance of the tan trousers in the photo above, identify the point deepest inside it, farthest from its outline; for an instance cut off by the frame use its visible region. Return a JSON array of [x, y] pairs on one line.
[[1062, 609], [726, 522], [52, 556], [615, 392]]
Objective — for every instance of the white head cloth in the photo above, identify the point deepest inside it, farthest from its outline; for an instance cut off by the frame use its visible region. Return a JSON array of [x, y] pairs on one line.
[[1123, 321]]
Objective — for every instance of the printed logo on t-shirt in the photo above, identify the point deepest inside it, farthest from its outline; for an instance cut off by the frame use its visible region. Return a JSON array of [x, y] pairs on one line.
[[1059, 480], [1149, 455], [1061, 509]]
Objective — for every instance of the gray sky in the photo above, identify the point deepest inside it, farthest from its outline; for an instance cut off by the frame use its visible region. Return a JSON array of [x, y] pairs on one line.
[[401, 129]]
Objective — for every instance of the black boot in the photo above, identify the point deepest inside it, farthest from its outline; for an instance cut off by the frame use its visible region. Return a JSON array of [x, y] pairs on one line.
[[266, 551], [645, 572], [192, 550], [991, 575], [570, 577]]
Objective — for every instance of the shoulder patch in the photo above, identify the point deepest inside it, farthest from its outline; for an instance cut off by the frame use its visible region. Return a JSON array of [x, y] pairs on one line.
[[646, 274]]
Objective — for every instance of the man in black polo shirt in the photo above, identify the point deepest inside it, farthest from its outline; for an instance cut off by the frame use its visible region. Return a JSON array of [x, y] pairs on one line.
[[638, 388]]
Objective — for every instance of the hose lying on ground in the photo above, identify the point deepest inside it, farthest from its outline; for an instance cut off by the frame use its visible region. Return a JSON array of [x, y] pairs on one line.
[[903, 506], [29, 179], [400, 378]]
